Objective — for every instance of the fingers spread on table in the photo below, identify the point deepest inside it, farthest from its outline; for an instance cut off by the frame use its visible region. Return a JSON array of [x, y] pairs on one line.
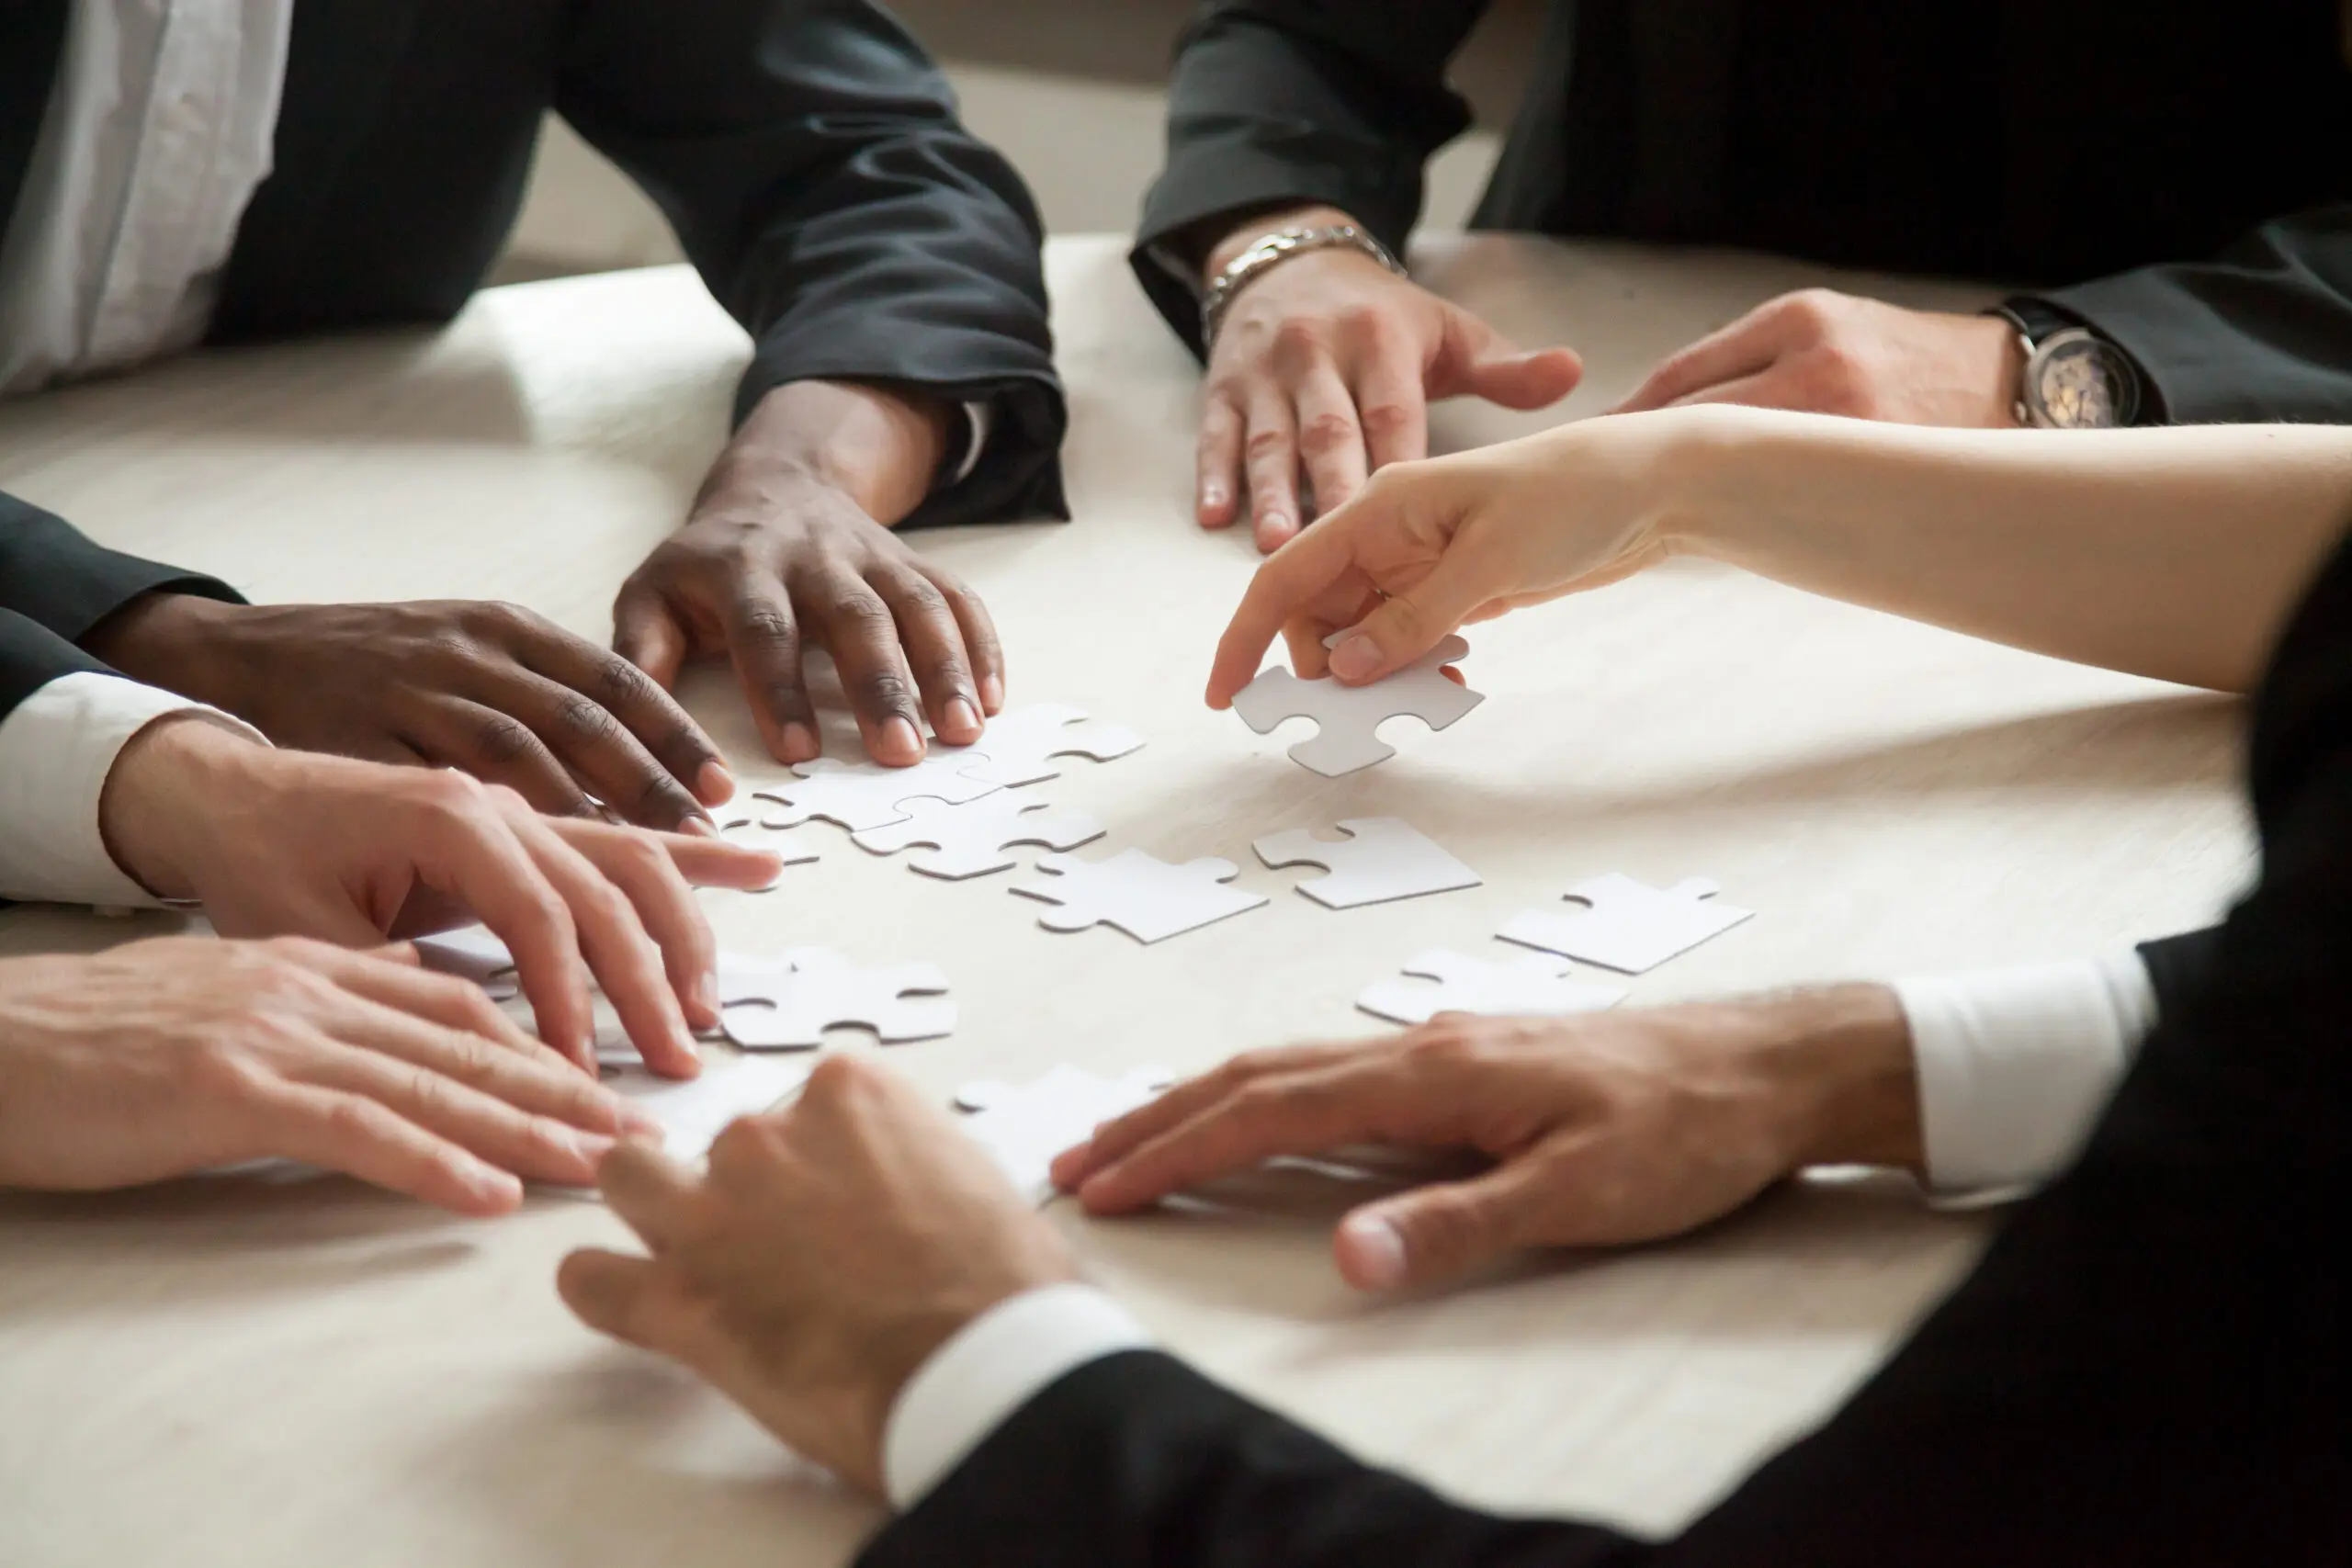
[[764, 644], [931, 640], [614, 723], [1217, 479], [857, 628], [1440, 1230], [360, 1136], [646, 869]]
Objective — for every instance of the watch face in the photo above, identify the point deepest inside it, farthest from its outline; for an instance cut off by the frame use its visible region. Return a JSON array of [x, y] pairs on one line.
[[2082, 383]]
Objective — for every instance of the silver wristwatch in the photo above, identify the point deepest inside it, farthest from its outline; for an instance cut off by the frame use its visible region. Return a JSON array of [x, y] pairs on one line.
[[1276, 249], [2073, 380]]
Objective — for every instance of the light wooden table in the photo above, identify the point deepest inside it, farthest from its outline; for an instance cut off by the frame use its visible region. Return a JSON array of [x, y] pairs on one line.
[[231, 1373]]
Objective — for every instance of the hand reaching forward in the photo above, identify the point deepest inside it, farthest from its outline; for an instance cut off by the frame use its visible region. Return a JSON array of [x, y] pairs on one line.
[[1429, 547], [1604, 1129], [166, 1057], [833, 1246], [290, 843], [1325, 365]]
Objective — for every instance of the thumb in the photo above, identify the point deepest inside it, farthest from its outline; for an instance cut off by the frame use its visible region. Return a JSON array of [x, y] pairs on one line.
[[1410, 622], [1437, 1232], [647, 635], [1477, 360]]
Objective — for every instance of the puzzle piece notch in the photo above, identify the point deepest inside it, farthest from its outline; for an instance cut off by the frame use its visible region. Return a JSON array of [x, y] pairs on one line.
[[1023, 1126], [1531, 985], [1348, 718], [821, 990], [1139, 894], [1382, 859], [861, 796], [970, 839], [1626, 925], [1021, 747]]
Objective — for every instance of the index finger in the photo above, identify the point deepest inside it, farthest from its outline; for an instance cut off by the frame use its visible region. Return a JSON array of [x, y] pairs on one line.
[[610, 684], [1290, 580], [1745, 347]]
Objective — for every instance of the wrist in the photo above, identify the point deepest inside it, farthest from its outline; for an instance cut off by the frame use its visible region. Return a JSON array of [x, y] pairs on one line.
[[880, 448], [162, 804], [164, 639], [1258, 225], [1849, 1088]]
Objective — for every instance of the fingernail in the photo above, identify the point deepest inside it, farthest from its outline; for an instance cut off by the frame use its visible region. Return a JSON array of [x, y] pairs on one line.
[[1274, 522], [700, 826], [960, 716], [714, 784], [706, 992], [800, 742], [991, 692], [1379, 1250], [899, 736], [592, 1146], [1212, 498], [1356, 657], [490, 1182], [635, 1118]]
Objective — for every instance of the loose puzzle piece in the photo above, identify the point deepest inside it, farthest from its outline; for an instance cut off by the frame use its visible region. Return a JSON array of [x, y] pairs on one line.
[[1382, 858], [863, 795], [472, 953], [694, 1111], [1626, 925], [970, 839], [1023, 1126], [824, 991], [1019, 748], [1529, 985], [1142, 895], [1350, 717]]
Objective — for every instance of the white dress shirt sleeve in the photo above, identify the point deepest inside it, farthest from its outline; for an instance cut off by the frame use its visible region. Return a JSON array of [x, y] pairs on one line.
[[979, 422], [2014, 1066], [993, 1366], [56, 749]]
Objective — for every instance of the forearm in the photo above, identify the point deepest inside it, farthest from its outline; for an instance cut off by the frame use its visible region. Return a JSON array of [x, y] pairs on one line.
[[2177, 554]]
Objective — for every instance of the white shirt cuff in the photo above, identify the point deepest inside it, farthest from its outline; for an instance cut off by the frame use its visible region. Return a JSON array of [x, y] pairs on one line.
[[980, 421], [56, 749], [993, 1366], [2015, 1064]]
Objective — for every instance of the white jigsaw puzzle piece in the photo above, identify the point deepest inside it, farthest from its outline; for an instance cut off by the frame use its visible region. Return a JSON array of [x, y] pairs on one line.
[[971, 840], [1382, 858], [1023, 1126], [824, 991], [472, 953], [1626, 925], [1141, 894], [694, 1111], [1529, 985], [1348, 718], [1020, 747], [863, 795]]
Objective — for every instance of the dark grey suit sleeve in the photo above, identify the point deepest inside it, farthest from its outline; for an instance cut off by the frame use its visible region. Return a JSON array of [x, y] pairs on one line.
[[809, 157], [2262, 332], [55, 576], [1287, 102], [31, 656]]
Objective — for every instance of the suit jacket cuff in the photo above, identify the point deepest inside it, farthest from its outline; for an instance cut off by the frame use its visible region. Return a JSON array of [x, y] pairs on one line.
[[990, 1368], [51, 573]]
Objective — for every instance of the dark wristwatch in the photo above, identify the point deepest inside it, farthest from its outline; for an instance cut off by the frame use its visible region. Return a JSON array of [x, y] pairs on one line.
[[2073, 378]]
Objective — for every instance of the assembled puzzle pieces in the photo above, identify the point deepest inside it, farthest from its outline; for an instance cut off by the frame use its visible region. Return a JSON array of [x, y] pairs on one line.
[[865, 795], [1382, 858], [1142, 895], [1529, 985], [791, 1004], [1024, 1126], [1020, 747], [1348, 718], [971, 840], [1626, 925]]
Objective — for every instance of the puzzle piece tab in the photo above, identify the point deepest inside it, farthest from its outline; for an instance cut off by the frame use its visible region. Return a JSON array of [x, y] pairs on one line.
[[814, 989], [1348, 718], [1142, 895], [1383, 858], [970, 839], [1530, 985], [1626, 925], [1023, 1126], [863, 795], [1020, 747]]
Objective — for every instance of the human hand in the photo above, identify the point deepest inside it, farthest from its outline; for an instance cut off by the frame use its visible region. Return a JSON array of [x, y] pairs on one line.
[[497, 691], [787, 548], [1603, 1128], [832, 1248], [1327, 362], [1429, 547], [182, 1055], [1819, 352], [293, 843]]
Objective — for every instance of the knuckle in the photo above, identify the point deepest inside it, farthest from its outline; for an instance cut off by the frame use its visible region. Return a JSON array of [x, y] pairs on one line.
[[586, 717], [619, 680], [1267, 446], [769, 627], [498, 621], [1385, 418], [501, 737], [1445, 1046], [1328, 433], [864, 615], [1298, 336]]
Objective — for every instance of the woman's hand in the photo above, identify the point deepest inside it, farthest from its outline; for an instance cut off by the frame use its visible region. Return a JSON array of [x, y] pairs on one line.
[[1426, 547], [166, 1057]]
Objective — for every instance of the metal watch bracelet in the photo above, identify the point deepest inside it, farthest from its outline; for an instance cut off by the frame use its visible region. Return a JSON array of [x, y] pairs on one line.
[[1271, 251]]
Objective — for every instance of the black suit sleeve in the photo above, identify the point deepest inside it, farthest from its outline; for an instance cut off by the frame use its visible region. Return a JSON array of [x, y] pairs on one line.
[[31, 656], [55, 576], [2148, 1367], [2262, 334], [1291, 102], [809, 157]]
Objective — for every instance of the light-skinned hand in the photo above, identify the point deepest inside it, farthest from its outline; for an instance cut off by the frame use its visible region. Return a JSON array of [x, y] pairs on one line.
[[290, 843], [832, 1248], [1602, 1128], [1325, 366], [162, 1058], [1816, 351]]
